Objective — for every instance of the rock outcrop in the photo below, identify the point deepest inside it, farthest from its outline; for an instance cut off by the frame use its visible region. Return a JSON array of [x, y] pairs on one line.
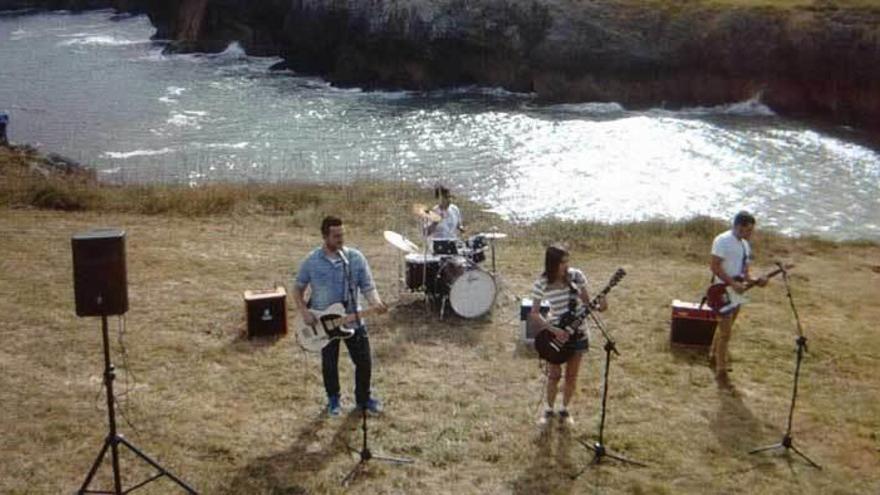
[[816, 60]]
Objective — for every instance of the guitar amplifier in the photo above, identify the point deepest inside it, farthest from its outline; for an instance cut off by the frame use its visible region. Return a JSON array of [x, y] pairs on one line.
[[525, 307], [266, 312], [691, 324]]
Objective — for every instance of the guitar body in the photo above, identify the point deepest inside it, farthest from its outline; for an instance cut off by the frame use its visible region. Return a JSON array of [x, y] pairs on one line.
[[723, 299], [330, 326], [551, 349]]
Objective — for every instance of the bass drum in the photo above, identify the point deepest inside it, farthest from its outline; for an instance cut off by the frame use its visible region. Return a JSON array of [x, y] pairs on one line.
[[472, 293]]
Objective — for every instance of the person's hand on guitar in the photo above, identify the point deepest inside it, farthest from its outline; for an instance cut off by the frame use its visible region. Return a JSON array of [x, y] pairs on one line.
[[381, 307], [561, 335], [761, 282], [602, 303], [738, 287]]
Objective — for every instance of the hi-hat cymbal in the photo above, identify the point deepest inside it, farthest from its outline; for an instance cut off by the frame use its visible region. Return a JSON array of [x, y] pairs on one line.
[[493, 235], [425, 213], [400, 242]]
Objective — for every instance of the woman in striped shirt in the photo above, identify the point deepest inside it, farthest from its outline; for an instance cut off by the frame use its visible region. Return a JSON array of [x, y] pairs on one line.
[[558, 285]]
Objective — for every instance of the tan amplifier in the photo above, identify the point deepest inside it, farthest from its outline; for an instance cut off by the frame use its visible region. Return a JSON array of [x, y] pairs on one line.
[[266, 312]]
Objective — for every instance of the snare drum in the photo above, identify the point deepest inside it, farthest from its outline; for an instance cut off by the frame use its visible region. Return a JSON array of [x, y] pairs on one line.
[[422, 272]]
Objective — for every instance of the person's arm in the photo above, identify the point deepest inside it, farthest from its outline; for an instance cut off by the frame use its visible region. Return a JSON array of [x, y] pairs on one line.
[[537, 320], [303, 278], [717, 269], [364, 279]]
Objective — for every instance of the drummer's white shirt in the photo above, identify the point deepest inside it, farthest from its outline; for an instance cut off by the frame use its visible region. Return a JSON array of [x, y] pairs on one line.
[[447, 228]]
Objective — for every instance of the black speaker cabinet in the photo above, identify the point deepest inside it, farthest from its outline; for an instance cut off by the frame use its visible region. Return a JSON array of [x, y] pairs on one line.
[[266, 312], [100, 283], [692, 325]]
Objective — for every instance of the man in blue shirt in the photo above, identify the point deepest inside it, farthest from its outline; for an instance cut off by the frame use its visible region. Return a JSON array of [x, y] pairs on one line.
[[335, 273]]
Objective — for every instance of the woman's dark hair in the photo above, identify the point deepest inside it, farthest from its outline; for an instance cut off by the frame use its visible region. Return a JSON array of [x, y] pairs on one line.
[[441, 191], [329, 221], [552, 259]]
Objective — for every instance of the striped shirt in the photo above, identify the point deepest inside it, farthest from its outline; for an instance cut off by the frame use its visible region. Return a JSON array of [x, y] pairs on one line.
[[559, 297]]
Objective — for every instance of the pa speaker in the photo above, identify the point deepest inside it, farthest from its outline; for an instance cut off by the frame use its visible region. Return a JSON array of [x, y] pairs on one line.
[[100, 284]]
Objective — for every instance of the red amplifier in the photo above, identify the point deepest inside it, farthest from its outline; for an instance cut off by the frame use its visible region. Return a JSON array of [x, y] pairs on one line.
[[691, 324]]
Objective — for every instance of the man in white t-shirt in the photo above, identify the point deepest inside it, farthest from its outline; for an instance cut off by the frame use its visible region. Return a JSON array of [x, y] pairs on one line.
[[731, 257], [449, 225]]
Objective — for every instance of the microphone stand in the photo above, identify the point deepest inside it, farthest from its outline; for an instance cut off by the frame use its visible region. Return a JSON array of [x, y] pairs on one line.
[[787, 442], [598, 448], [365, 454]]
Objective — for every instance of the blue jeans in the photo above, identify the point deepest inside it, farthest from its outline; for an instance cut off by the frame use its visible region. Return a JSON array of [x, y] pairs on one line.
[[359, 350]]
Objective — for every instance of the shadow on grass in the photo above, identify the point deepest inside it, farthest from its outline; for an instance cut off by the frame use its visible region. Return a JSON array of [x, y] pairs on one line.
[[736, 428], [285, 472], [418, 322], [551, 465], [692, 354], [241, 343]]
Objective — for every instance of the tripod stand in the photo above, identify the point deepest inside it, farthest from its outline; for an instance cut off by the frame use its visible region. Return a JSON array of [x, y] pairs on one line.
[[366, 455], [598, 448], [787, 442], [113, 439]]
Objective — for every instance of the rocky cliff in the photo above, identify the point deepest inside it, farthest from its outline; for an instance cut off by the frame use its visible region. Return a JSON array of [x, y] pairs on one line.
[[817, 59]]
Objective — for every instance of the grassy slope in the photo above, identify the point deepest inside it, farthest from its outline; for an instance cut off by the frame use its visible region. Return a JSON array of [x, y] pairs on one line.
[[232, 416]]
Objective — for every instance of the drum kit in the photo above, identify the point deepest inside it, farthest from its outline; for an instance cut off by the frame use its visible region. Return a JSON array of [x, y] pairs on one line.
[[449, 270]]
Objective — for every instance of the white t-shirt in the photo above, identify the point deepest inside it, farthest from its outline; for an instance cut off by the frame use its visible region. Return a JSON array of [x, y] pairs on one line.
[[447, 228], [735, 253]]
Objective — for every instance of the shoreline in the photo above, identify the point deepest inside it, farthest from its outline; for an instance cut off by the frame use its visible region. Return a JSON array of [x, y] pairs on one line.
[[51, 182]]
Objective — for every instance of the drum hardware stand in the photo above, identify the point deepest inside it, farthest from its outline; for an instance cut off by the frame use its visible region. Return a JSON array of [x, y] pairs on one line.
[[365, 453], [598, 448], [787, 441], [114, 439]]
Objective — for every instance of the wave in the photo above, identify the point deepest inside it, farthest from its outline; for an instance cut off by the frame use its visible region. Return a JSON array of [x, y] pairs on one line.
[[100, 40], [748, 108], [588, 108], [123, 155]]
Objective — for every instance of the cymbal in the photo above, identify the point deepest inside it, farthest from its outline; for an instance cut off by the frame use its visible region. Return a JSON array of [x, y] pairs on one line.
[[400, 242], [493, 235], [425, 213]]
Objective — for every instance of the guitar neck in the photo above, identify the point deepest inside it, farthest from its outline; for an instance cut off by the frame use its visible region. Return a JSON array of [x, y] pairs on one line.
[[768, 276], [352, 317]]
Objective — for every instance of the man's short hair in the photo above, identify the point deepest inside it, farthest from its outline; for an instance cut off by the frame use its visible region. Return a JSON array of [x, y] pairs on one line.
[[743, 218], [329, 221]]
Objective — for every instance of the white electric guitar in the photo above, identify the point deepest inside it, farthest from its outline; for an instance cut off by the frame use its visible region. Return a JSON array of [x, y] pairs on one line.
[[332, 324]]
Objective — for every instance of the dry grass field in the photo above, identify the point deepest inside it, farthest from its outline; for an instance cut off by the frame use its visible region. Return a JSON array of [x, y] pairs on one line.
[[233, 416]]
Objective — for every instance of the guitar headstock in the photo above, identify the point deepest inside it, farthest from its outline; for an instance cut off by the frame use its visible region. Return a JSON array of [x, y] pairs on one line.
[[617, 277]]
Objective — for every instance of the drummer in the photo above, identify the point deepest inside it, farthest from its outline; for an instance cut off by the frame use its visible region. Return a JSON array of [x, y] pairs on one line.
[[449, 224]]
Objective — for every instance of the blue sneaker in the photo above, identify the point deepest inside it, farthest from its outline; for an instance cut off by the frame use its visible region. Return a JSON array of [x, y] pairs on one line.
[[333, 406], [372, 406]]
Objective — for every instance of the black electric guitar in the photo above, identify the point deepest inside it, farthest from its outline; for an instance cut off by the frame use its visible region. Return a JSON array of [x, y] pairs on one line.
[[552, 349]]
